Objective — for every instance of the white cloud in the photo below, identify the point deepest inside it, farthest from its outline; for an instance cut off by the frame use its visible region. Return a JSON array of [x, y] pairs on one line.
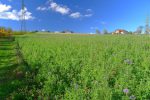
[[4, 7], [64, 10], [55, 7], [59, 8], [88, 15], [41, 8], [79, 15], [93, 28], [43, 30], [89, 10], [15, 15], [7, 13], [75, 15], [28, 15]]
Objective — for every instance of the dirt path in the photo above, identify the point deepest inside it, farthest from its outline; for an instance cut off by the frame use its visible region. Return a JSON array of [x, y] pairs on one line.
[[8, 63]]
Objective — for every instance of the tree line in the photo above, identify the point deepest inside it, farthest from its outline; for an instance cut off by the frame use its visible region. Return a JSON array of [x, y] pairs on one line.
[[139, 30], [5, 31]]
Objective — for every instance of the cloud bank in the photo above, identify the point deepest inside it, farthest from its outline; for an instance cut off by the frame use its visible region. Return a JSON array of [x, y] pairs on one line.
[[6, 12], [64, 10]]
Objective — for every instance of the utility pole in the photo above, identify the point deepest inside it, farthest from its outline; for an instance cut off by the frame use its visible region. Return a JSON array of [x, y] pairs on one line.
[[23, 19], [147, 28]]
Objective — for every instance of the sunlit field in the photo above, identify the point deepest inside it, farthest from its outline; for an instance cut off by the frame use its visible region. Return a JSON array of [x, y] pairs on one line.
[[86, 67], [74, 50]]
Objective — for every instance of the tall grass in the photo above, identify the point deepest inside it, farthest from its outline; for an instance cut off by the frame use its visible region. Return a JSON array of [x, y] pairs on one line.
[[90, 67]]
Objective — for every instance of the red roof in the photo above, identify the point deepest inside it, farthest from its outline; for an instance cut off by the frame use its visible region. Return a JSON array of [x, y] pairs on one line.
[[121, 30]]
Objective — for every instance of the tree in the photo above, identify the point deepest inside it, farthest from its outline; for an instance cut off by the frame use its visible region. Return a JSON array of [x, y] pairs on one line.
[[130, 32], [35, 31], [105, 31], [139, 30], [67, 31], [147, 29], [5, 31], [98, 32], [9, 30]]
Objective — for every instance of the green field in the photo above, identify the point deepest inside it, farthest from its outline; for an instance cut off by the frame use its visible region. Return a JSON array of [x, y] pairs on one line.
[[81, 67]]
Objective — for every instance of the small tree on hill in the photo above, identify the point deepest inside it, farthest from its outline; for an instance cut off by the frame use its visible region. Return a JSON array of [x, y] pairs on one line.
[[98, 32], [147, 29], [130, 32], [139, 30], [9, 30], [105, 31]]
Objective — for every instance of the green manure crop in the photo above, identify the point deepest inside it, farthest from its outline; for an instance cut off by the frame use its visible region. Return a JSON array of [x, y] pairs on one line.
[[89, 67]]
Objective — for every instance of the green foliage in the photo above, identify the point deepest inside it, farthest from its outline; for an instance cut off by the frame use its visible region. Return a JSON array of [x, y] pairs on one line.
[[5, 31], [75, 67], [98, 32], [105, 31], [18, 33]]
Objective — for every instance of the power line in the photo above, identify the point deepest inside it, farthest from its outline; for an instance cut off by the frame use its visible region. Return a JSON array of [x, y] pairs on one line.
[[23, 19]]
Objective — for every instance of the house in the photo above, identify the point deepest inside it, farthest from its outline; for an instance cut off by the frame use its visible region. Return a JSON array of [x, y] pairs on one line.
[[120, 31]]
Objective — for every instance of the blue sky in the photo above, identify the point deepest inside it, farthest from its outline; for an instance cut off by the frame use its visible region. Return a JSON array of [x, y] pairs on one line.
[[77, 15]]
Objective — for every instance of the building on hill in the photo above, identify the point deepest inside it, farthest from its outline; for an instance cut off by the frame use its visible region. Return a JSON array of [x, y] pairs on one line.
[[120, 31]]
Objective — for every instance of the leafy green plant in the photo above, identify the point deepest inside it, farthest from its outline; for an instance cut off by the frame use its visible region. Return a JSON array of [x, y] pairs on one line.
[[90, 67]]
